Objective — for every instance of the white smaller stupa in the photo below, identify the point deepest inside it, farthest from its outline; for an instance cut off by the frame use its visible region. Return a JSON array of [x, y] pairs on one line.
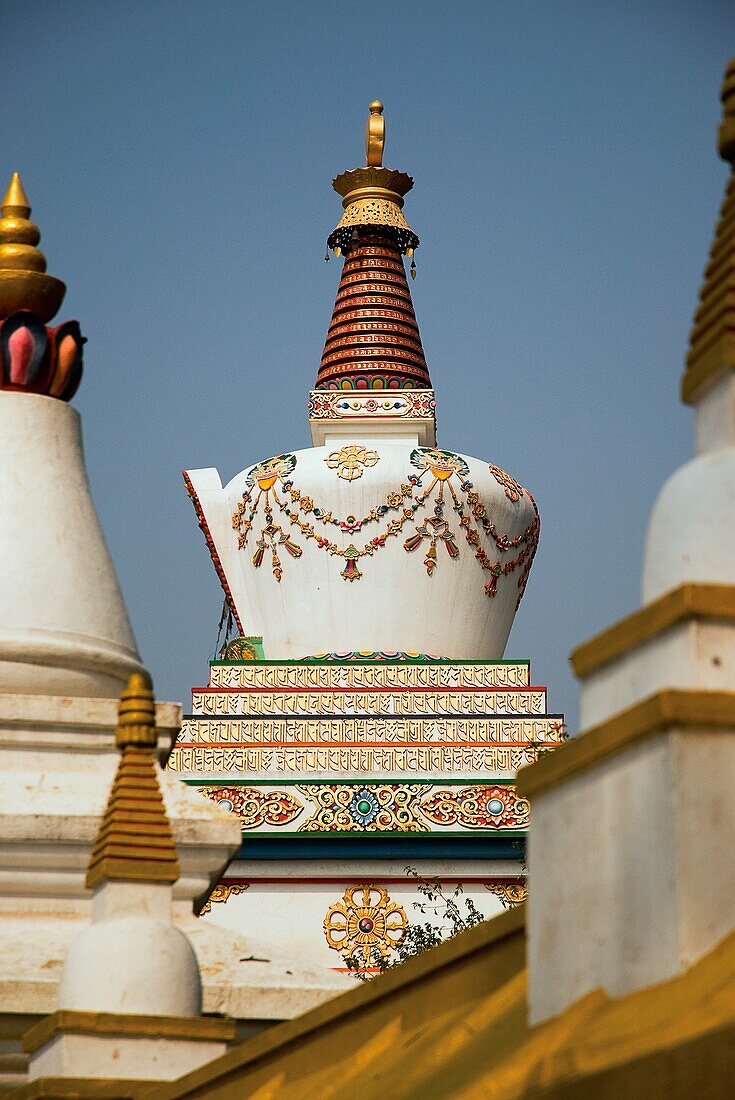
[[66, 651], [633, 828], [130, 998]]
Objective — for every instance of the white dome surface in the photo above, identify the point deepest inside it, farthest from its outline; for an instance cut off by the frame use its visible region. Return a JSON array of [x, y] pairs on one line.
[[131, 964], [406, 595], [691, 535]]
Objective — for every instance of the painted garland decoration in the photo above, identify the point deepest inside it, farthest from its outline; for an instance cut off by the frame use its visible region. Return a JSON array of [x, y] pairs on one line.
[[269, 483], [265, 476]]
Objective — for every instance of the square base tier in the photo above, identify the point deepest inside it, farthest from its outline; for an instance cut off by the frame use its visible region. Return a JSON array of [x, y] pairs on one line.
[[357, 782]]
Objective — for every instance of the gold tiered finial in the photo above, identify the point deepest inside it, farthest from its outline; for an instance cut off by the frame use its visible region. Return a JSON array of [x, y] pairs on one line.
[[24, 283], [375, 135], [135, 842], [136, 721]]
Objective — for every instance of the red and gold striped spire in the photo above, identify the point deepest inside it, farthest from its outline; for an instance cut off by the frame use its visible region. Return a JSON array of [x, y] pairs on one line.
[[373, 341]]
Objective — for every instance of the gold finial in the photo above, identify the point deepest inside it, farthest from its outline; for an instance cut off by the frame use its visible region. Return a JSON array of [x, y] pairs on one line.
[[135, 841], [18, 235], [136, 724], [16, 201], [23, 282], [372, 197], [375, 135]]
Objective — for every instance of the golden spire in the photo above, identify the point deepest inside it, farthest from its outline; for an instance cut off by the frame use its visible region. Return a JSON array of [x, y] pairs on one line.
[[135, 842], [23, 281], [16, 203], [712, 342], [372, 196], [375, 135]]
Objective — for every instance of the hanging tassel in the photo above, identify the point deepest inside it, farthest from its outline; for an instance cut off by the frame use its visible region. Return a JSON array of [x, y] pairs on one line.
[[259, 554], [326, 257], [350, 571], [413, 543], [413, 269], [276, 564], [451, 545]]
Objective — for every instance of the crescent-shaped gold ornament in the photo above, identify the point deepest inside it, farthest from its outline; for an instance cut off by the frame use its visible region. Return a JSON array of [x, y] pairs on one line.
[[375, 135]]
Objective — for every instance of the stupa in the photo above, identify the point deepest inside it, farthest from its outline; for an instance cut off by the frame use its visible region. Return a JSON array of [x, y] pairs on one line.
[[633, 881], [364, 719], [66, 651], [130, 996]]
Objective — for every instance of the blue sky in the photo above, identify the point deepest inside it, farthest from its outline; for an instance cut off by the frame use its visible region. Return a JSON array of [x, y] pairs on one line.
[[178, 157]]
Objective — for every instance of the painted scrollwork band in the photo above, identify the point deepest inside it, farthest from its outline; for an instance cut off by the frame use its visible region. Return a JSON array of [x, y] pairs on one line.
[[373, 807], [345, 405]]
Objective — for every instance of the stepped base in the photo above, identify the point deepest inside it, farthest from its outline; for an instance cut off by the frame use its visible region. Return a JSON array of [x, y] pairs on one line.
[[344, 773]]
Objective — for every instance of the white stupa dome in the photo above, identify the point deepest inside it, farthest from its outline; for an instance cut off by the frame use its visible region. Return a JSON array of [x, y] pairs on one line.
[[691, 533], [373, 540]]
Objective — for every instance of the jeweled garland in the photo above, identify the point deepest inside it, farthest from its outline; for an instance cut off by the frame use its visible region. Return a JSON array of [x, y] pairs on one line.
[[442, 465]]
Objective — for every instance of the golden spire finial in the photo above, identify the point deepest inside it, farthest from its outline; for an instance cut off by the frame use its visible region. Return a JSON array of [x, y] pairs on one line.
[[135, 841], [18, 235], [16, 201], [375, 135], [372, 197], [136, 722], [23, 281]]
